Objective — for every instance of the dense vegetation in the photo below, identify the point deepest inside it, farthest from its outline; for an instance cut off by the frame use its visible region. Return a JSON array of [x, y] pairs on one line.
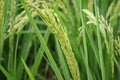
[[60, 39]]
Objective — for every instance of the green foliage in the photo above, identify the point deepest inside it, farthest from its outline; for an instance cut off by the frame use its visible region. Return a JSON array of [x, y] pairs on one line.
[[59, 39]]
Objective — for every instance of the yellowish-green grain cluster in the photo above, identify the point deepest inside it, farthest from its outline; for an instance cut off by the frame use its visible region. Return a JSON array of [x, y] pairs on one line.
[[17, 23], [117, 46], [20, 21], [105, 28], [51, 19]]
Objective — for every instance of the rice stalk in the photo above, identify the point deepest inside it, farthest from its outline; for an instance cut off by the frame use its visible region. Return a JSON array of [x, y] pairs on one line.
[[110, 9], [90, 5], [106, 31], [51, 19], [1, 28], [116, 10], [100, 50], [113, 12], [76, 10], [105, 28], [11, 38], [88, 71]]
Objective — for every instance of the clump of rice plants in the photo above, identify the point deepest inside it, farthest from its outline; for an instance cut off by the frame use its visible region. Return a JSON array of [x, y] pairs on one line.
[[59, 40]]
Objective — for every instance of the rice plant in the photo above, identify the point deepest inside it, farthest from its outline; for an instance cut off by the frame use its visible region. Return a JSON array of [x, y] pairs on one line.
[[59, 40]]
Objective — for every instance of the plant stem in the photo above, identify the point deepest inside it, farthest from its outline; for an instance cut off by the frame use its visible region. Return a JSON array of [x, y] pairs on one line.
[[99, 43], [89, 75], [11, 38], [1, 28]]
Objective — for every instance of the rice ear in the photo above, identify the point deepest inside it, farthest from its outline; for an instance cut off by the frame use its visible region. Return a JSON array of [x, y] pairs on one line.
[[52, 21]]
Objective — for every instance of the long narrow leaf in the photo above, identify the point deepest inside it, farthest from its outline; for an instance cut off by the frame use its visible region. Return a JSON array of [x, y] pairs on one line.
[[27, 69], [6, 73]]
